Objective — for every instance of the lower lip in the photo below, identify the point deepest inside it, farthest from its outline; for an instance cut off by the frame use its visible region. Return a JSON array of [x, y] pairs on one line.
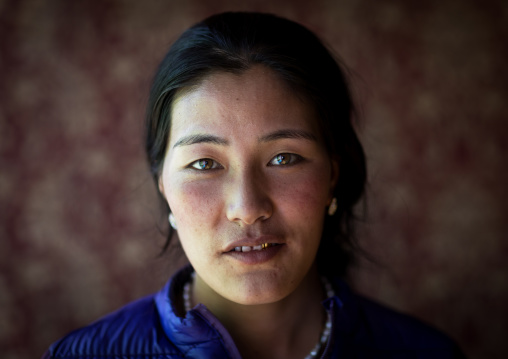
[[256, 257]]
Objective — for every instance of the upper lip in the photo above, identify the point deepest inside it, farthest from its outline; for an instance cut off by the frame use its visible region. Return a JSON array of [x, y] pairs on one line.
[[255, 241]]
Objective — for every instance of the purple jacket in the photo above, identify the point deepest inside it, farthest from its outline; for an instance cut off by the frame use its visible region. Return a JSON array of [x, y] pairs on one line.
[[149, 328]]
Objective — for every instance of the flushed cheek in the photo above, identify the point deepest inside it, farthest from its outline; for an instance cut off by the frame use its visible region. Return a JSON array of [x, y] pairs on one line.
[[196, 202], [197, 210], [305, 195], [302, 208]]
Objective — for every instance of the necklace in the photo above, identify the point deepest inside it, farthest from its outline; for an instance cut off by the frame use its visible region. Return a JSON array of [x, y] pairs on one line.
[[324, 334]]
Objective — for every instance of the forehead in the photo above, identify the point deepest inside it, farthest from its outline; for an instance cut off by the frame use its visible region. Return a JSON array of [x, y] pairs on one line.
[[252, 102]]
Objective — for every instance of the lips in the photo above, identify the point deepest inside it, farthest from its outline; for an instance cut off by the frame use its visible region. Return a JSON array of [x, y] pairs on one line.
[[253, 244], [255, 254], [258, 247]]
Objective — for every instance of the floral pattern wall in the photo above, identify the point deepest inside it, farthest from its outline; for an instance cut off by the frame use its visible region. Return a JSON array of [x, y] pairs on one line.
[[80, 220]]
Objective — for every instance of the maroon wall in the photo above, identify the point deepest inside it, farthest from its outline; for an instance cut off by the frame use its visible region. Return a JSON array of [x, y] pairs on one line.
[[78, 210]]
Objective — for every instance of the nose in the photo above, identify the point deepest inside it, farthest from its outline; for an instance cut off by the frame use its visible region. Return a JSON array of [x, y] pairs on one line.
[[248, 198]]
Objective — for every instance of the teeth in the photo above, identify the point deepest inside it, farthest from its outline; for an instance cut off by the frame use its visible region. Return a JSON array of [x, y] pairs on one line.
[[253, 248]]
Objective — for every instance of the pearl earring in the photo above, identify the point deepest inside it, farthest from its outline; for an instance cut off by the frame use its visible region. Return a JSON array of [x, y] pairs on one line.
[[172, 221], [333, 207]]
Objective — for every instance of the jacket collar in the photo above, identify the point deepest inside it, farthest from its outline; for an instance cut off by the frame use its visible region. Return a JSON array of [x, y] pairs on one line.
[[201, 328]]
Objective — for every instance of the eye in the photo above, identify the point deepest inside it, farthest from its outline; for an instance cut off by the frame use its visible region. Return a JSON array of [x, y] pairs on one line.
[[204, 164], [284, 159]]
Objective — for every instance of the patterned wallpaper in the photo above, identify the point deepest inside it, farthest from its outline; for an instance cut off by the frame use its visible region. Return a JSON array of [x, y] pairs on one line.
[[80, 221]]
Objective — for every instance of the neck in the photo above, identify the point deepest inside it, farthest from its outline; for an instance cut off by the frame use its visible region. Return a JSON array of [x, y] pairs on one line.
[[289, 328]]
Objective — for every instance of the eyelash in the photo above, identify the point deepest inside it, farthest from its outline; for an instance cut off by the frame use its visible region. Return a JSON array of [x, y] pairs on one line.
[[289, 159]]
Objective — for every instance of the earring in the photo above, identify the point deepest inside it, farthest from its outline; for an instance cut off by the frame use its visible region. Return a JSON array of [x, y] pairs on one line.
[[172, 221], [333, 207]]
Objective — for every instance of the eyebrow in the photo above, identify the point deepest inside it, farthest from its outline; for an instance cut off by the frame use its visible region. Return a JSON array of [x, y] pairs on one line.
[[200, 138], [277, 135], [288, 134]]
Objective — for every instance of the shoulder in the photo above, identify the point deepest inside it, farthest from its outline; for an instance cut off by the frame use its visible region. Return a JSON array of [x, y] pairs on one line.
[[379, 331], [395, 329], [132, 331]]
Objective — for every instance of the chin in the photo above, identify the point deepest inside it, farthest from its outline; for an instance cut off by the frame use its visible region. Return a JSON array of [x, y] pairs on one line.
[[254, 300], [258, 293]]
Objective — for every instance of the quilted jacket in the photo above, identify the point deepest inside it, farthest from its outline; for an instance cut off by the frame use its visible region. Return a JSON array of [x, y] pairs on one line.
[[149, 328]]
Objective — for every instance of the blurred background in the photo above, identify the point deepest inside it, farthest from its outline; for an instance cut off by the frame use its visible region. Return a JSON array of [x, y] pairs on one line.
[[80, 222]]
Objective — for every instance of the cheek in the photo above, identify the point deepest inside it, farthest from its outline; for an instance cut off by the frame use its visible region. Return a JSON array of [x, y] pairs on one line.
[[193, 207], [196, 205], [305, 195]]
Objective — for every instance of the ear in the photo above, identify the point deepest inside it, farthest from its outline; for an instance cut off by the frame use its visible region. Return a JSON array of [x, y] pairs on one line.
[[161, 187], [334, 175]]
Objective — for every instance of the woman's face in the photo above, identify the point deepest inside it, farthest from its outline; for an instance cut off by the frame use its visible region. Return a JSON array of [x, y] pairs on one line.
[[245, 169]]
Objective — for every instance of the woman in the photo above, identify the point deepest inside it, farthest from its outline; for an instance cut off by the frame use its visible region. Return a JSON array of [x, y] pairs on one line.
[[250, 142]]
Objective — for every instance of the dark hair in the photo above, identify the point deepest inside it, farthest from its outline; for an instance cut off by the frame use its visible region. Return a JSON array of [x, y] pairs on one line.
[[234, 42]]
